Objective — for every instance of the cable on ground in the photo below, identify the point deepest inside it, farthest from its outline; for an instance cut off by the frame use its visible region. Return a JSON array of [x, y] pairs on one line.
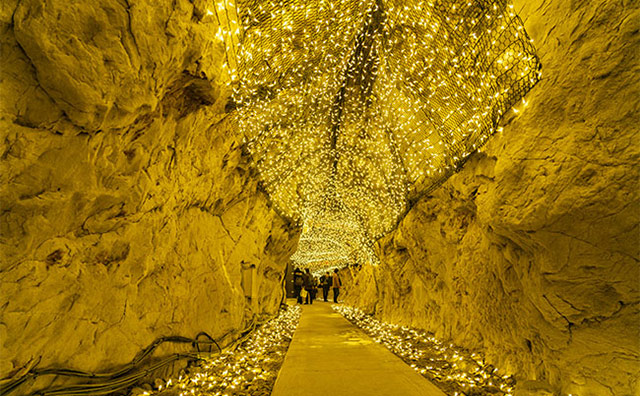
[[128, 375]]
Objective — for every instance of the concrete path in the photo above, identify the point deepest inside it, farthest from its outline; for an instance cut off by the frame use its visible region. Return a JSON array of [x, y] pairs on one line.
[[329, 356]]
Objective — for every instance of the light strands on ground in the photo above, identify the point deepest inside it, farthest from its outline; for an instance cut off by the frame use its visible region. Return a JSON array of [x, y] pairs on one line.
[[453, 369], [251, 367], [361, 106]]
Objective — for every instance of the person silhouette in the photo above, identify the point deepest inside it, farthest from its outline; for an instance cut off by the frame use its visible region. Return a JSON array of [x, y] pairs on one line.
[[336, 284]]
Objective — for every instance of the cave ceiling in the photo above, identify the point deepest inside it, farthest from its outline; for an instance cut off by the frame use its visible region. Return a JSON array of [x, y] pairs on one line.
[[352, 109]]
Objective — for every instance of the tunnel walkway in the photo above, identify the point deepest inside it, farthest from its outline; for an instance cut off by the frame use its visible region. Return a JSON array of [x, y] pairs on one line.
[[330, 356]]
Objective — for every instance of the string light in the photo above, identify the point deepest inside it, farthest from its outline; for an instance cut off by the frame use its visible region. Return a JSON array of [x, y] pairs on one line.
[[453, 369], [253, 364], [353, 108]]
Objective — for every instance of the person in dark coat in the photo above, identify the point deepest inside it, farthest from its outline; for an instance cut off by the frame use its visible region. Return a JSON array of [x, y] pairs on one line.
[[325, 282], [336, 284], [308, 286], [298, 283], [314, 287]]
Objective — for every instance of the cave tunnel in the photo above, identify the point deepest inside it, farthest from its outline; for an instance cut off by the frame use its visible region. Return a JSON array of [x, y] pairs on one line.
[[455, 184]]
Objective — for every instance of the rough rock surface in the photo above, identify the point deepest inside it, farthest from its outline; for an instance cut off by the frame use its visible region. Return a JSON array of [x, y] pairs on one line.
[[530, 254], [127, 208]]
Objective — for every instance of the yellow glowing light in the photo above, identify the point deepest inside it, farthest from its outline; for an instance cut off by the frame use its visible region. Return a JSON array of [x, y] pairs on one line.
[[351, 109], [238, 366], [415, 346]]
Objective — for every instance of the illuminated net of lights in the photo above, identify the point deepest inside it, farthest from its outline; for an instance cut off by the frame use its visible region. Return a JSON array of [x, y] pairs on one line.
[[455, 370], [336, 240], [361, 106], [237, 370]]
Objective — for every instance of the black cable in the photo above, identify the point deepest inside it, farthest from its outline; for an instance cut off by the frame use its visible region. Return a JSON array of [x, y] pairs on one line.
[[202, 333], [123, 375]]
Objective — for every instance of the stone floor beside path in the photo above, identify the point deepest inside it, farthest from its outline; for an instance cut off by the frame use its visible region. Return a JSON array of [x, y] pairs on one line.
[[329, 356]]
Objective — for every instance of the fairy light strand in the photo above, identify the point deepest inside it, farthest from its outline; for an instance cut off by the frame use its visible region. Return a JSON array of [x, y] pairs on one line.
[[454, 369], [351, 108], [254, 364]]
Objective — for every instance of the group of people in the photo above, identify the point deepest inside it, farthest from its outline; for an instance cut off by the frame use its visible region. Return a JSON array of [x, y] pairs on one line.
[[305, 285]]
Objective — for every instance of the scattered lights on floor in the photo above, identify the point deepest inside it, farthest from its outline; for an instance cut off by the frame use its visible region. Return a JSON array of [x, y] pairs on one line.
[[453, 369], [250, 369]]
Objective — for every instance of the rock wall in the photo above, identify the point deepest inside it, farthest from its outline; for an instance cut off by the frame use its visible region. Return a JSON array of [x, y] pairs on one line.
[[530, 253], [128, 210]]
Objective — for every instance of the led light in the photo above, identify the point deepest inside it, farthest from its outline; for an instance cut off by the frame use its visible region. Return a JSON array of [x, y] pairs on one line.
[[455, 370], [351, 109], [237, 368]]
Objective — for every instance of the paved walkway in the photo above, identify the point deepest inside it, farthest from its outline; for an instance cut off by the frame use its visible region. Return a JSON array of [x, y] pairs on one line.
[[329, 356]]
